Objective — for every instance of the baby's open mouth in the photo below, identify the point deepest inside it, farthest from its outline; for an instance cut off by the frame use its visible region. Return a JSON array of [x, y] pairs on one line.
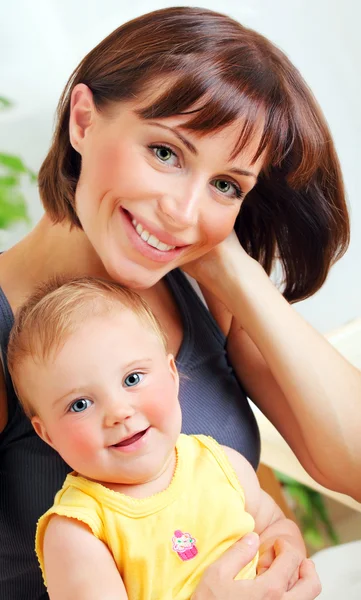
[[131, 440]]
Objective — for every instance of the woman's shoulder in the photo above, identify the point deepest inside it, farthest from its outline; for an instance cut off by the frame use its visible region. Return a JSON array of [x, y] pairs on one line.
[[6, 322], [3, 402]]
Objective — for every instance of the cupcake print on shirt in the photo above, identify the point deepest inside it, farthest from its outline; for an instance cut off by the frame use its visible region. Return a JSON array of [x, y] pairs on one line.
[[184, 545]]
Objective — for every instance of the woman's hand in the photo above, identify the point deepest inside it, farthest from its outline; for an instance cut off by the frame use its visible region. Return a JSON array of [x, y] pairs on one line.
[[218, 581], [267, 555], [217, 269]]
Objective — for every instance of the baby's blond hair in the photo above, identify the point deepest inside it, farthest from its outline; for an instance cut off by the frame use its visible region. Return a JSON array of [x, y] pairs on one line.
[[57, 308]]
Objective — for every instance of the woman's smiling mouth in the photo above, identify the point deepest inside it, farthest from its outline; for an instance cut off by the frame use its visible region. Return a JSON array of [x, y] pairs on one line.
[[151, 239], [148, 243]]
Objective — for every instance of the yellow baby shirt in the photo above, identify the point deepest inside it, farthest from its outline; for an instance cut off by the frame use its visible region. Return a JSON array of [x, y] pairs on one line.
[[163, 544]]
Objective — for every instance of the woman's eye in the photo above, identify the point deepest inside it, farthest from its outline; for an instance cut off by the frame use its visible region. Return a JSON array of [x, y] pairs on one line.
[[165, 155], [224, 186], [133, 379], [80, 405]]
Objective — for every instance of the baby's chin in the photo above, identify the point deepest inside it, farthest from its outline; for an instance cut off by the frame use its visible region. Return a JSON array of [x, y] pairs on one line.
[[125, 483]]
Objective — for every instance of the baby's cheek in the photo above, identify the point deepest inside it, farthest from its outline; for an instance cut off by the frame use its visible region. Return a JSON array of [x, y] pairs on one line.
[[74, 442], [162, 406]]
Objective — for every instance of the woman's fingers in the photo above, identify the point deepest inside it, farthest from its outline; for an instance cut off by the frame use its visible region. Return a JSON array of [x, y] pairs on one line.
[[308, 586], [218, 582], [236, 557], [281, 571]]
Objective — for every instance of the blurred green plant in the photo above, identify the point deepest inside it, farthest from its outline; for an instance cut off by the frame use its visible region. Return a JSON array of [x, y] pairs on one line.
[[13, 207], [311, 512]]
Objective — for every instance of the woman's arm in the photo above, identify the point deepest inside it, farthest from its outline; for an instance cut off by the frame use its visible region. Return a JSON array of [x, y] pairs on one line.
[[274, 530], [78, 565], [301, 383]]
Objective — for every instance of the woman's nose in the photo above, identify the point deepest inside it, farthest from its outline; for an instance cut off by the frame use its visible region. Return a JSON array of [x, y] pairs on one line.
[[117, 411], [181, 207]]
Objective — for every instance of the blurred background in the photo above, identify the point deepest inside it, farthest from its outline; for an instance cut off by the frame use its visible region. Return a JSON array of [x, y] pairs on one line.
[[42, 41]]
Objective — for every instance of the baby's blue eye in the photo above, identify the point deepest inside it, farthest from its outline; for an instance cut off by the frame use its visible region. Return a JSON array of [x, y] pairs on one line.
[[80, 405], [133, 379]]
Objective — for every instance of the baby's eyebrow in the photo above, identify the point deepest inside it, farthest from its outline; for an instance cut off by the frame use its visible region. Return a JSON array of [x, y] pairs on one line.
[[73, 392], [137, 363]]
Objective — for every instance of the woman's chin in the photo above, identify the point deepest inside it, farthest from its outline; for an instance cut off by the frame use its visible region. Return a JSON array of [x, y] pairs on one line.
[[136, 277]]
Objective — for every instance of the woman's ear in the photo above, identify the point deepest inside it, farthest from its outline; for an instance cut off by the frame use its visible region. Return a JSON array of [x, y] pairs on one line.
[[81, 115], [41, 431], [173, 369]]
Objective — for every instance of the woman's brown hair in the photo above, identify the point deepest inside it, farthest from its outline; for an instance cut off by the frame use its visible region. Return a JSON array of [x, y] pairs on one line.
[[297, 210]]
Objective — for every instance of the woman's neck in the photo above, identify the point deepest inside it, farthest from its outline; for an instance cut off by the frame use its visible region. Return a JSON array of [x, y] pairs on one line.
[[56, 250], [48, 250]]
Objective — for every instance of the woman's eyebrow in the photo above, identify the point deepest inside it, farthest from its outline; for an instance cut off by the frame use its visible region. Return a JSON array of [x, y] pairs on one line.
[[194, 150], [243, 172], [183, 139]]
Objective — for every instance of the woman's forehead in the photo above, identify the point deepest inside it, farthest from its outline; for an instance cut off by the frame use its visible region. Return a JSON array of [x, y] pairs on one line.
[[242, 135], [208, 116]]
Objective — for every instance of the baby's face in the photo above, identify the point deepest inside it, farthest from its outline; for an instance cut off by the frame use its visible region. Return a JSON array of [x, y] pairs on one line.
[[108, 401]]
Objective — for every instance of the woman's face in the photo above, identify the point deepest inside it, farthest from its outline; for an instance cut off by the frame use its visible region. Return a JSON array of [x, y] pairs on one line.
[[152, 195]]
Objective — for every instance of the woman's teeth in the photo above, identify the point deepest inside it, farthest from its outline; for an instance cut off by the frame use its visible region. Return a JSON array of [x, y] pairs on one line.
[[149, 238]]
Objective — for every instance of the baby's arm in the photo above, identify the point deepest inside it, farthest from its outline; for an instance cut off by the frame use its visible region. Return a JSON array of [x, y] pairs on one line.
[[78, 565], [276, 533]]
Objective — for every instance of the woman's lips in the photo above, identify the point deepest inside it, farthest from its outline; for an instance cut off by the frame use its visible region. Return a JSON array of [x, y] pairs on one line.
[[163, 236], [143, 247]]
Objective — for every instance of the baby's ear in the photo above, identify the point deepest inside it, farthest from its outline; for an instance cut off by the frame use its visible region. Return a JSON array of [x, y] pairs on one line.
[[173, 369], [41, 430]]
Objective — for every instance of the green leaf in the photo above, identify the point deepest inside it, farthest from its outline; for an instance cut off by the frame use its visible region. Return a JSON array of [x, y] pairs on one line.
[[284, 478], [313, 537], [13, 207], [300, 493], [13, 163], [5, 103], [9, 180], [321, 510]]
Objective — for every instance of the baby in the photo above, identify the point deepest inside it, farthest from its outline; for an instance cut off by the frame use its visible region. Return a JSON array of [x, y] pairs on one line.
[[146, 509]]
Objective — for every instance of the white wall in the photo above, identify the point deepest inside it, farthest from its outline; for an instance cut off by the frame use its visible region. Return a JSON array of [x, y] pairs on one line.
[[43, 40]]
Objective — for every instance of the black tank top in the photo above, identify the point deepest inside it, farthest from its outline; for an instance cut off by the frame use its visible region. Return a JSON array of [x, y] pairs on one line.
[[212, 401]]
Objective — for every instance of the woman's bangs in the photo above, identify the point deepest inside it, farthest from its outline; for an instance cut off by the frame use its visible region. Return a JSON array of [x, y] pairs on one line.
[[214, 104]]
